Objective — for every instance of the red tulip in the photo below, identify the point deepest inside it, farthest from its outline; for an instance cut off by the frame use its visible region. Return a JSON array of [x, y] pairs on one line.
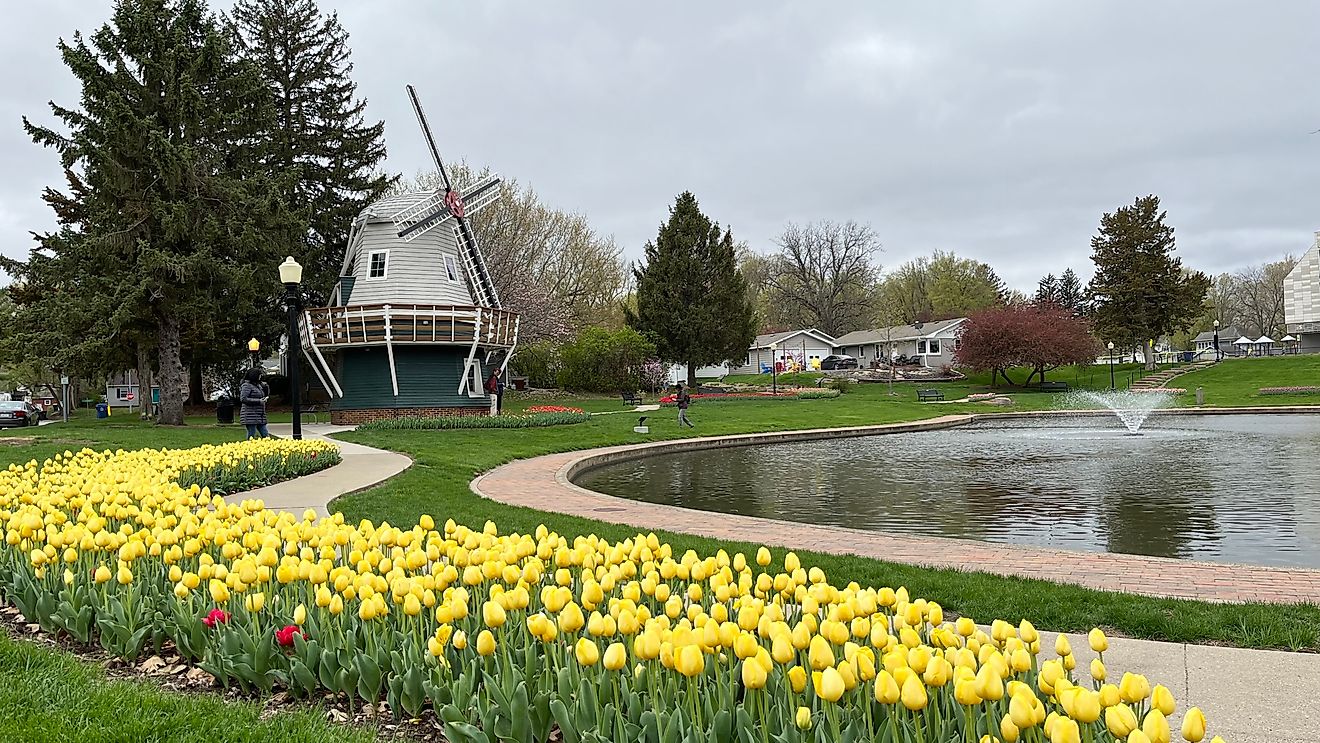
[[285, 636], [216, 616]]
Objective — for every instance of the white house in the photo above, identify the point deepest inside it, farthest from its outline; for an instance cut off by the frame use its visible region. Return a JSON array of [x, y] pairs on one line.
[[1301, 300], [934, 342], [806, 348]]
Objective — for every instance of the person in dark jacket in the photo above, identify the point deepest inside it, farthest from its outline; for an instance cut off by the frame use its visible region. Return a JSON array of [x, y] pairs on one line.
[[684, 400], [252, 405]]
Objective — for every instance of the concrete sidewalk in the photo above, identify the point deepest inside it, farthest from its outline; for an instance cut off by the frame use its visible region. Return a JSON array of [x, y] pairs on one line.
[[362, 468]]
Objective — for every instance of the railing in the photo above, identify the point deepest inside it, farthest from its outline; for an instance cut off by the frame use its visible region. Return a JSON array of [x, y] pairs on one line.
[[381, 324]]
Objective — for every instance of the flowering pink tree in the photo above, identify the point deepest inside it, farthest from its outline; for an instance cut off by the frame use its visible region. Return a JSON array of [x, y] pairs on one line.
[[1040, 336]]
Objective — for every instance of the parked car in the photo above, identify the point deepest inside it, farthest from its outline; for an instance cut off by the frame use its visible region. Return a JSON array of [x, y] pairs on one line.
[[839, 361], [18, 413]]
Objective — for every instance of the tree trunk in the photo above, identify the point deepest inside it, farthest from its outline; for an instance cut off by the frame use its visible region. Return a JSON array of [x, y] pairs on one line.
[[691, 375], [171, 373], [144, 381], [196, 395]]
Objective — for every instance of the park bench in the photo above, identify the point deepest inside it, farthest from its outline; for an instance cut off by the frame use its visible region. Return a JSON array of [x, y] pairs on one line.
[[631, 398], [927, 395], [1053, 387]]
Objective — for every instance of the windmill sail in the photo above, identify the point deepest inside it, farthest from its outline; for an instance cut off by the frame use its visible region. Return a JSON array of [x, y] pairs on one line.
[[483, 288]]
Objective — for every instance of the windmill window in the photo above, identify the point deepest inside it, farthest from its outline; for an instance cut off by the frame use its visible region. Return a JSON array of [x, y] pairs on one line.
[[451, 269], [377, 264]]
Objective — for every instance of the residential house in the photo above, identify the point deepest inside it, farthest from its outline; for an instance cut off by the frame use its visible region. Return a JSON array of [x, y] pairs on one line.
[[1204, 343], [933, 342], [806, 348], [121, 391]]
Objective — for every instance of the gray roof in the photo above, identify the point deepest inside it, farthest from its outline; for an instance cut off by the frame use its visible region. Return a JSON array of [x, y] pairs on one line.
[[937, 329], [765, 339], [1224, 335], [385, 208]]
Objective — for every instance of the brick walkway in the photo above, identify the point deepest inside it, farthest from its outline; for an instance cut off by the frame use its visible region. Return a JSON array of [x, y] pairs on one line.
[[545, 483]]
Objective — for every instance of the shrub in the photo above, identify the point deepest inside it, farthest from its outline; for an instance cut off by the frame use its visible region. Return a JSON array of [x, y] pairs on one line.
[[824, 394], [529, 633], [603, 361], [842, 385], [446, 422], [539, 362], [1289, 390]]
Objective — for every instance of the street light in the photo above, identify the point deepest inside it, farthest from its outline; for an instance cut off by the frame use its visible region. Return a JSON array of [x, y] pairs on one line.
[[291, 277], [1216, 340], [1111, 367], [254, 348], [774, 369]]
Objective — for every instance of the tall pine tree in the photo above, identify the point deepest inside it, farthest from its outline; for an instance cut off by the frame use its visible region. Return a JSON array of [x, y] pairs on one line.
[[1047, 290], [1140, 290], [1071, 295], [692, 300], [320, 135], [173, 223]]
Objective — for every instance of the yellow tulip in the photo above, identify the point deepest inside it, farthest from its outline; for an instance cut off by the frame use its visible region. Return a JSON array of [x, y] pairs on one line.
[[254, 602], [1061, 646], [1133, 688], [964, 692], [1193, 726], [886, 688], [1136, 736], [336, 605], [1099, 643], [485, 643], [1008, 731], [492, 613], [820, 655], [1086, 706], [1156, 727], [412, 606], [219, 591], [367, 610], [753, 674], [831, 686], [1097, 669], [763, 557], [1162, 699], [690, 661], [914, 694], [300, 615], [803, 716], [460, 641], [1120, 720], [797, 679], [616, 656], [1021, 712]]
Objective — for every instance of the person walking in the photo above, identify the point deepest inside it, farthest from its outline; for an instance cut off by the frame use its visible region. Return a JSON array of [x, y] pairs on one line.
[[684, 400], [252, 405]]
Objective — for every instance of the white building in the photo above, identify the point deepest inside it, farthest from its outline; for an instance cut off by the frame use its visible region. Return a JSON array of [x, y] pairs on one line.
[[935, 343], [1301, 300]]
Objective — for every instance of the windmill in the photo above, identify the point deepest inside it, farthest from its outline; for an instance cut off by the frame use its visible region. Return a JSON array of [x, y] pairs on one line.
[[415, 318], [451, 203]]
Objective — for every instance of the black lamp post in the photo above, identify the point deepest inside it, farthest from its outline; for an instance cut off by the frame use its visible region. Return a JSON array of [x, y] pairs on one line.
[[1216, 340], [774, 369], [254, 348], [291, 277], [1111, 367]]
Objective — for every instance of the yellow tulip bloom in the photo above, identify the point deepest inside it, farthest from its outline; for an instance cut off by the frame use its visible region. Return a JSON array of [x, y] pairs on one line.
[[485, 643], [616, 656], [1193, 726]]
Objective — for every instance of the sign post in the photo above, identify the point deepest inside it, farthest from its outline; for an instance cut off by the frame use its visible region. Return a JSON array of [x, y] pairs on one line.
[[64, 400]]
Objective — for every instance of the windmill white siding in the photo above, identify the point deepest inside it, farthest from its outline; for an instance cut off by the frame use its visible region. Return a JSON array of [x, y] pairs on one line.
[[415, 272]]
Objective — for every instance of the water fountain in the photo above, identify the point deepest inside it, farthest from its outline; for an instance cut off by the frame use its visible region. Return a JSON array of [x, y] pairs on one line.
[[1132, 408]]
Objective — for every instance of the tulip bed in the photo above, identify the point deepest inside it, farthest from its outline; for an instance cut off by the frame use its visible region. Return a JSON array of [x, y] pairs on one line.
[[447, 422], [527, 637]]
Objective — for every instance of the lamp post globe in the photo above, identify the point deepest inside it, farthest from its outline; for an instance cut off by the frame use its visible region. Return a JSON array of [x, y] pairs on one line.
[[1112, 387], [254, 348], [291, 277], [1216, 342]]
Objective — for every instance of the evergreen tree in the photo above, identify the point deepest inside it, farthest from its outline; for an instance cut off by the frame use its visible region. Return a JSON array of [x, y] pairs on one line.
[[1140, 290], [172, 224], [691, 298], [320, 136], [1047, 291], [1071, 296]]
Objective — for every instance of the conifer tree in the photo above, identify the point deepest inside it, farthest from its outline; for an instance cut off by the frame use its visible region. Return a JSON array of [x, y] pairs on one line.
[[172, 221], [1047, 291], [1071, 295], [691, 298], [320, 136], [1140, 290]]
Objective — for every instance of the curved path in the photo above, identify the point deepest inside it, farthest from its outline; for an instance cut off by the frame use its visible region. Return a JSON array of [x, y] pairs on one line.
[[545, 483], [363, 467]]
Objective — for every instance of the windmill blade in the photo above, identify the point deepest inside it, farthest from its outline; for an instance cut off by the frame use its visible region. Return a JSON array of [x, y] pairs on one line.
[[415, 220], [482, 284], [426, 132]]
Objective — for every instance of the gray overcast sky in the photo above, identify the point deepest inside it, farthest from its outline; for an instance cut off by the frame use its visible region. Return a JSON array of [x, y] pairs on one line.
[[999, 130]]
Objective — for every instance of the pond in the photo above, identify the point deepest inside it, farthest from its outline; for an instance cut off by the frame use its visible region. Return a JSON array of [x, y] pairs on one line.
[[1232, 488]]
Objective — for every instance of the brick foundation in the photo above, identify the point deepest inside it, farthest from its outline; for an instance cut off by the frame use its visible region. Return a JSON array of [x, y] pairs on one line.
[[356, 417]]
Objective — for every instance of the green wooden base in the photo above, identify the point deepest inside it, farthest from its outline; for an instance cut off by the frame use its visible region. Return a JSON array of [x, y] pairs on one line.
[[428, 378]]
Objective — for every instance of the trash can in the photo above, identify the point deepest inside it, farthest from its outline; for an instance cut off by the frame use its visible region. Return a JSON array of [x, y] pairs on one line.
[[224, 409], [102, 410]]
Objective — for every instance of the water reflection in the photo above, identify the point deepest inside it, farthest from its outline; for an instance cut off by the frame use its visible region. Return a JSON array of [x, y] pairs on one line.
[[1229, 488]]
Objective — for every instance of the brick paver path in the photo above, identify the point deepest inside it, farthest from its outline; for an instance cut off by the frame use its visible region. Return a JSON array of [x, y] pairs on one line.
[[544, 483]]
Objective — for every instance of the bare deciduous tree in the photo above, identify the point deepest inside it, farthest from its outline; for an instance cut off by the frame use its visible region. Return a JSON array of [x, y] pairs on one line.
[[824, 274], [1258, 294], [547, 264]]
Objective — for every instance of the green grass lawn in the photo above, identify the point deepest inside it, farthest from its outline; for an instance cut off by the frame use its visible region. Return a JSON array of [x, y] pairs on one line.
[[48, 696], [1236, 382]]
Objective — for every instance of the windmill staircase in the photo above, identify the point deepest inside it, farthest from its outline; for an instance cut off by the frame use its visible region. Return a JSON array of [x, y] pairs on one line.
[[1162, 378]]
